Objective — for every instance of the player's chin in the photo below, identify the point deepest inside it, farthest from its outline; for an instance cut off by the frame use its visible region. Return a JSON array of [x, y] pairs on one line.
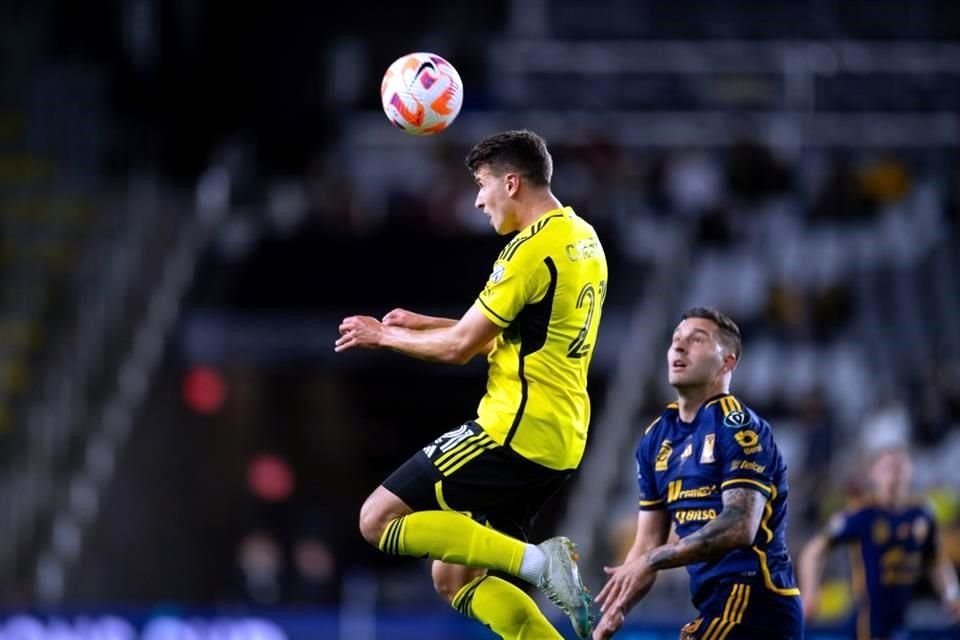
[[680, 378]]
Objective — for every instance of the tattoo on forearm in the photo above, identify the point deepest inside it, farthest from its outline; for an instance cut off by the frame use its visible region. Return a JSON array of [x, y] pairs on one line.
[[737, 523]]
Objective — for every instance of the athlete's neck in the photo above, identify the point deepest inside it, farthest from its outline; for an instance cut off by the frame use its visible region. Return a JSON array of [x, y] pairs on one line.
[[530, 212], [690, 399], [892, 500]]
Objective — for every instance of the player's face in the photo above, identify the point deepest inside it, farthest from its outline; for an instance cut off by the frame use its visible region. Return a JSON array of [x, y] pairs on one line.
[[695, 357], [493, 198], [891, 473]]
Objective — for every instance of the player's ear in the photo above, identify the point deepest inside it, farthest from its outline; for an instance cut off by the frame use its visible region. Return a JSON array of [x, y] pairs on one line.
[[729, 362], [511, 181]]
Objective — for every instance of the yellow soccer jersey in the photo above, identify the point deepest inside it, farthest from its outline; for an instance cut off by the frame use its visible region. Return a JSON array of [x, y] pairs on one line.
[[546, 290]]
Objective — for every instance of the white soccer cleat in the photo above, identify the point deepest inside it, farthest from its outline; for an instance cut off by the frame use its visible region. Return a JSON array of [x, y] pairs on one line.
[[562, 584]]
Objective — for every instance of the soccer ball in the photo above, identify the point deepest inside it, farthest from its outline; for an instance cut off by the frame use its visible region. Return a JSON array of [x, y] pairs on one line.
[[421, 93]]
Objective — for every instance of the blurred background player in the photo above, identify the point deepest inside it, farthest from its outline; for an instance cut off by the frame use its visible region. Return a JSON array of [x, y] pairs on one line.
[[537, 317], [894, 542], [709, 466]]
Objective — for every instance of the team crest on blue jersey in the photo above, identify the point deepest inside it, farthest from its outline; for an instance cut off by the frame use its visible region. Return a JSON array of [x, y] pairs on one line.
[[736, 419]]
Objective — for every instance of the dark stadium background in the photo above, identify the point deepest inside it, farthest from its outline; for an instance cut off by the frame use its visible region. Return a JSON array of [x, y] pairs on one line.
[[194, 193]]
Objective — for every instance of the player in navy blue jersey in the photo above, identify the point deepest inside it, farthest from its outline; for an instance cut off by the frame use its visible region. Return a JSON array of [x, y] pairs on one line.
[[709, 466], [893, 542]]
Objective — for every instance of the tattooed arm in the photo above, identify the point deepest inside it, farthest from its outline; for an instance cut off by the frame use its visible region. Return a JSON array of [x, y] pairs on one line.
[[735, 527]]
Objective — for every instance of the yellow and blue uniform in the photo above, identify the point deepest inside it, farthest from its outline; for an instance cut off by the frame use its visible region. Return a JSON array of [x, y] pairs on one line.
[[889, 549], [685, 468]]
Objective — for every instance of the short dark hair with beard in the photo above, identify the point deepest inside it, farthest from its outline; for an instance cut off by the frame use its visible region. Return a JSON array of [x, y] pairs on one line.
[[522, 151], [729, 331]]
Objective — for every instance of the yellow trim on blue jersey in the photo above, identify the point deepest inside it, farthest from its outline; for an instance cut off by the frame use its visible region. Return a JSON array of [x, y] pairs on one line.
[[734, 595], [768, 489], [767, 514], [650, 503], [673, 405], [651, 425], [711, 628], [768, 579], [713, 402], [743, 607]]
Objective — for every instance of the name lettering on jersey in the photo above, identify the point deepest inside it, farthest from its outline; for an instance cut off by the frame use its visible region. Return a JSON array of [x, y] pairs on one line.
[[899, 566], [675, 491], [749, 441], [663, 456], [747, 465], [695, 515], [737, 419], [687, 452], [583, 249], [706, 455]]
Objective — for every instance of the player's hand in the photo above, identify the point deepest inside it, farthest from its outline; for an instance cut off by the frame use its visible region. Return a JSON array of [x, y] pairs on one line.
[[359, 331], [609, 624], [627, 585], [405, 319]]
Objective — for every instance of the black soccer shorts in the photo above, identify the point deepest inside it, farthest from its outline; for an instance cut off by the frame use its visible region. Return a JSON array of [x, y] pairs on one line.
[[465, 470]]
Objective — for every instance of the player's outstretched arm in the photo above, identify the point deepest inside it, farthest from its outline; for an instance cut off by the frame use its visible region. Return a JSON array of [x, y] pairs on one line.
[[631, 581], [420, 322], [943, 577], [734, 528], [416, 321], [810, 570], [455, 344]]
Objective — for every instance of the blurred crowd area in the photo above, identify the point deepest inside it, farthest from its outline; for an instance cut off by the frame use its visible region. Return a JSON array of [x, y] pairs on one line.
[[254, 446]]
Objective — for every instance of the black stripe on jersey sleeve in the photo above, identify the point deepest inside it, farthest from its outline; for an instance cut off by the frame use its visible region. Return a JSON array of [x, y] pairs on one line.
[[497, 315]]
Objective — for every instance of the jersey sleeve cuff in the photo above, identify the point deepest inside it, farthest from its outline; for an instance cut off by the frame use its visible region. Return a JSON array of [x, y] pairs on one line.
[[492, 315], [748, 483], [652, 505]]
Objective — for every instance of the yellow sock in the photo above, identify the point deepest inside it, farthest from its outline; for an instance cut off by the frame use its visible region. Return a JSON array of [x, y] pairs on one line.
[[507, 610], [452, 537]]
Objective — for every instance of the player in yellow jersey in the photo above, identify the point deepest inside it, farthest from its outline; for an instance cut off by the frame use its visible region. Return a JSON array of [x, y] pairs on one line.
[[468, 499]]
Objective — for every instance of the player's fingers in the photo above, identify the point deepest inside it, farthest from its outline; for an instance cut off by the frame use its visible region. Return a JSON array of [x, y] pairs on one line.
[[612, 596], [610, 570], [604, 591], [345, 343], [620, 604]]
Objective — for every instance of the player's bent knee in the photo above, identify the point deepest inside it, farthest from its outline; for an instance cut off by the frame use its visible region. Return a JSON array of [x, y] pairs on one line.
[[449, 579], [378, 510], [372, 522]]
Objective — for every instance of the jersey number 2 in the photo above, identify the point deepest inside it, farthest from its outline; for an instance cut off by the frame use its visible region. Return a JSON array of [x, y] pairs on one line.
[[579, 347]]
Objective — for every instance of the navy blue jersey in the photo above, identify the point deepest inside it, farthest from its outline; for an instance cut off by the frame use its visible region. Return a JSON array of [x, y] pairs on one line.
[[889, 550], [685, 468]]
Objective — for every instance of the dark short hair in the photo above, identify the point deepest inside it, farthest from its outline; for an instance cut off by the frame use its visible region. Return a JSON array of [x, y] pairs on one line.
[[522, 151], [729, 331]]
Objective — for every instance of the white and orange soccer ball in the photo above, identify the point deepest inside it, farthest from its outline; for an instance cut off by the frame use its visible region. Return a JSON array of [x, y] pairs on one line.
[[421, 93]]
